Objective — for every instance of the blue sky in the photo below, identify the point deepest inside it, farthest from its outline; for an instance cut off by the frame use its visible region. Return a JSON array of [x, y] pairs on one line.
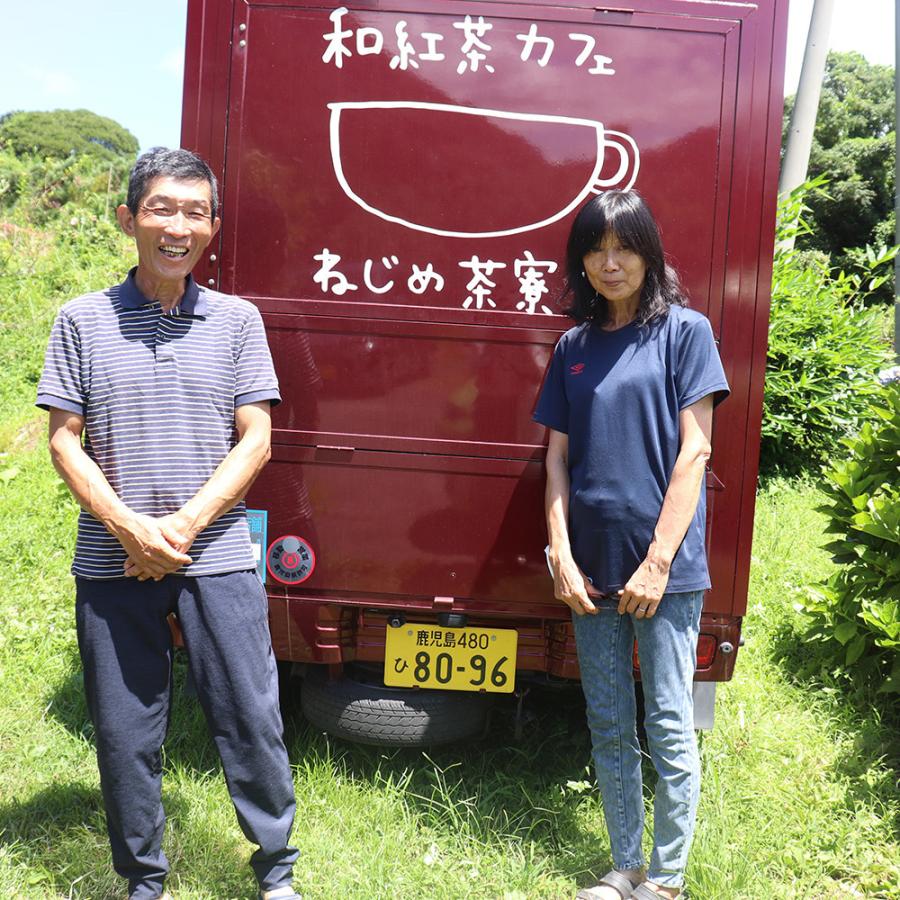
[[124, 58], [119, 58]]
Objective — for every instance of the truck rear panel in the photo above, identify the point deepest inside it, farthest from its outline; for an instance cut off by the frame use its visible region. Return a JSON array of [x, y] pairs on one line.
[[398, 184]]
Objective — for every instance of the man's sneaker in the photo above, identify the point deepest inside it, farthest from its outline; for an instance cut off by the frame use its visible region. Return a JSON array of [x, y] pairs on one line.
[[281, 893]]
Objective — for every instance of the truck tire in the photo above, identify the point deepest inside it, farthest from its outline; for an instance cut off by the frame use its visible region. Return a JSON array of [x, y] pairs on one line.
[[368, 713]]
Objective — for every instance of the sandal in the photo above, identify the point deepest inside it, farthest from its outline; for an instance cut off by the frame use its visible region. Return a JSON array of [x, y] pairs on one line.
[[642, 892], [620, 883]]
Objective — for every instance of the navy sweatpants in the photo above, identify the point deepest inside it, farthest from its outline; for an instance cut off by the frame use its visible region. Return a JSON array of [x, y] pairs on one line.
[[126, 651]]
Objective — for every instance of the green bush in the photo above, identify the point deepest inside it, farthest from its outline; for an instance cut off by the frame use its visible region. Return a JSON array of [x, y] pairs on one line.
[[13, 177], [58, 238], [38, 189], [825, 347], [856, 614]]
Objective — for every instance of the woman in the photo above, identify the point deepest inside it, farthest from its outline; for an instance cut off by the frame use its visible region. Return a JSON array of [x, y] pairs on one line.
[[628, 400]]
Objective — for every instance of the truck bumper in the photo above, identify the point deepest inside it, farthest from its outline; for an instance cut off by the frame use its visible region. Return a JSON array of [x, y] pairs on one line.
[[333, 633]]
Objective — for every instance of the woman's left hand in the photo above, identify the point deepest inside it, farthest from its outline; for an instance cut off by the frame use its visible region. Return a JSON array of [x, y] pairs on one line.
[[644, 590]]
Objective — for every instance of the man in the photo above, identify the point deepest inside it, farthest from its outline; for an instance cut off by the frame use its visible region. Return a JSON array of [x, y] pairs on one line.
[[170, 385]]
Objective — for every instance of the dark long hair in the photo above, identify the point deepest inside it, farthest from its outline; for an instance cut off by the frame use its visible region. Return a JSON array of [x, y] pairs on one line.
[[626, 215]]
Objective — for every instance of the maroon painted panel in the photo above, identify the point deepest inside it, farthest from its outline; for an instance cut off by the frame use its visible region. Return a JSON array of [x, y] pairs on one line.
[[395, 385], [463, 528], [398, 185], [367, 173], [467, 531]]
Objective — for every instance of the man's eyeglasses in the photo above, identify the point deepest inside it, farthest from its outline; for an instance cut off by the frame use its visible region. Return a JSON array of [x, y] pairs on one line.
[[164, 213]]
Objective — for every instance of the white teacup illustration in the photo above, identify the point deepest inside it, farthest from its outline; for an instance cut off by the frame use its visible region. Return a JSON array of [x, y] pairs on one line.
[[600, 140]]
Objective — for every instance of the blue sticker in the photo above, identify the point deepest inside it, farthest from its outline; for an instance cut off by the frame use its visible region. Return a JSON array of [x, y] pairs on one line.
[[258, 521]]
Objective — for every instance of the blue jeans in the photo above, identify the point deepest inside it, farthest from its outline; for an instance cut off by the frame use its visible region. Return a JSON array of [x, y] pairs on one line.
[[667, 646]]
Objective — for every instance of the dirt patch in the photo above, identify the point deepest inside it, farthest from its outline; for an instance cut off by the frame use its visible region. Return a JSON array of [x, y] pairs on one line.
[[7, 229], [29, 436], [28, 241]]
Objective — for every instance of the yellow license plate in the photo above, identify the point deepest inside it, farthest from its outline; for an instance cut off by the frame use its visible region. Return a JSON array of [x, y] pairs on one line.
[[453, 659]]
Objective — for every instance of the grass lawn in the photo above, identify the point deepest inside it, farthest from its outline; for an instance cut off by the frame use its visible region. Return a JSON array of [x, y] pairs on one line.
[[797, 800], [799, 796]]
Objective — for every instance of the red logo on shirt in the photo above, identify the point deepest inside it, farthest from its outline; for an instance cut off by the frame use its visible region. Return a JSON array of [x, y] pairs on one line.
[[577, 369]]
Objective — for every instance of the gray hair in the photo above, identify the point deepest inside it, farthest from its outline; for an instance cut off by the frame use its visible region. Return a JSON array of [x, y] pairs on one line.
[[161, 162]]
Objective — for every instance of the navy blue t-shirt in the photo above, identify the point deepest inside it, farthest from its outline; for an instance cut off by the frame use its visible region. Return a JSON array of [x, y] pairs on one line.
[[617, 395]]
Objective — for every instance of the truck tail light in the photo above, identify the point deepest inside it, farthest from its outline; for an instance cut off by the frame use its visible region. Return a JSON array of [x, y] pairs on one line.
[[706, 652]]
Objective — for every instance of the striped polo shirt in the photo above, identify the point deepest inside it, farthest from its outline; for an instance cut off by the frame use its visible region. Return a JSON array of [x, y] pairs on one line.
[[158, 393]]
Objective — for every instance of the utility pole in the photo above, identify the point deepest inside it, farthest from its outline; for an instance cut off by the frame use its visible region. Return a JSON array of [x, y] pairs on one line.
[[806, 103], [897, 181]]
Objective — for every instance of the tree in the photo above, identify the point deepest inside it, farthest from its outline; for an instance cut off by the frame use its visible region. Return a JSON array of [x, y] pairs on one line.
[[825, 347], [853, 146], [64, 132]]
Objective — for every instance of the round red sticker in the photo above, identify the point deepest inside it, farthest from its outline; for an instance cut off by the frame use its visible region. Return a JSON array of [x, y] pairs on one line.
[[290, 559]]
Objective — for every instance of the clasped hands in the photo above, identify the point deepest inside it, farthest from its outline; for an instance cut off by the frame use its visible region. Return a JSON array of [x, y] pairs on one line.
[[155, 547], [640, 596]]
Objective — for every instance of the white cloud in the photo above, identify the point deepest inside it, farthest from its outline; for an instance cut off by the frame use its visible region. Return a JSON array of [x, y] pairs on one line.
[[52, 83], [173, 63]]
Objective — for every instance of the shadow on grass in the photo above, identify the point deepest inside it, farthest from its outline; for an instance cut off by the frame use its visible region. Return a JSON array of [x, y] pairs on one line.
[[498, 789], [40, 833], [59, 836], [54, 809]]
